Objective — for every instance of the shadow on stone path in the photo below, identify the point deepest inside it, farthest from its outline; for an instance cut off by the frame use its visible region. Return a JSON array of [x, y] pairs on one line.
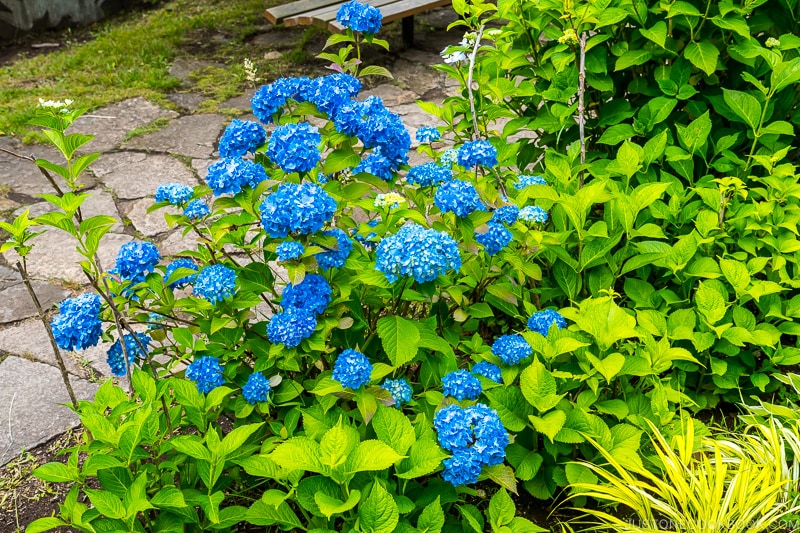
[[121, 183]]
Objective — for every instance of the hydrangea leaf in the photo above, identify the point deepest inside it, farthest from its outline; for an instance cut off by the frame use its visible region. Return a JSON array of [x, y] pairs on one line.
[[378, 513], [330, 506], [371, 455], [400, 339], [393, 428]]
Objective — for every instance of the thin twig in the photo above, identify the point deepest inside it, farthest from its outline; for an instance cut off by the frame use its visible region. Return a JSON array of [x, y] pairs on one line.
[[581, 106], [41, 169], [64, 376], [469, 82]]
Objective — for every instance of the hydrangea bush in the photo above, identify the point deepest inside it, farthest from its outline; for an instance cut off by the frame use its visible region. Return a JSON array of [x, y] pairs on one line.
[[360, 344]]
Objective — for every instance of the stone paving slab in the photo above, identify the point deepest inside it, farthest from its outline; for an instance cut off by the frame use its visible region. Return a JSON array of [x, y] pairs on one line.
[[192, 136], [31, 410], [17, 303], [111, 124], [23, 176], [134, 175], [175, 243], [148, 224]]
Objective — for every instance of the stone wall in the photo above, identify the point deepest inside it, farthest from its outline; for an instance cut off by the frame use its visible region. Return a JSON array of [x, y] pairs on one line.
[[20, 16]]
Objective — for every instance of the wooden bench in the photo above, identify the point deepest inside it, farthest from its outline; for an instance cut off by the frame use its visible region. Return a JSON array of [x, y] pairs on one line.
[[322, 13]]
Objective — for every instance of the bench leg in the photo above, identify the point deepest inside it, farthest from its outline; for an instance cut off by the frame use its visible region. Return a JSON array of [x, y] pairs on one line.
[[408, 31]]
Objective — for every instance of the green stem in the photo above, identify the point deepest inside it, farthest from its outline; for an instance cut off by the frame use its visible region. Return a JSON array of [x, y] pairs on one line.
[[757, 134]]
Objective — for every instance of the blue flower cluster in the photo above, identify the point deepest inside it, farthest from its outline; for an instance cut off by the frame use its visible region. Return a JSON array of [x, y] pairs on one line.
[[460, 384], [385, 129], [135, 260], [175, 265], [533, 213], [352, 369], [115, 358], [423, 254], [511, 349], [495, 239], [335, 258], [295, 147], [329, 93], [526, 181], [174, 193], [231, 175], [359, 17], [240, 137], [476, 153], [542, 321], [215, 283], [377, 165], [289, 250], [269, 99], [399, 389], [155, 321], [294, 208], [291, 326], [428, 134], [256, 389], [428, 175], [475, 436], [448, 157], [196, 209], [313, 295], [458, 196], [77, 325], [206, 372], [488, 370], [506, 214]]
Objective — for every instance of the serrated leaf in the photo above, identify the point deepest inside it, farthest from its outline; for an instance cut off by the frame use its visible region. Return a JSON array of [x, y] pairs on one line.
[[400, 339], [330, 506], [657, 33], [431, 520], [632, 58], [371, 455], [549, 424], [501, 509], [745, 106], [424, 457], [702, 55], [379, 512], [298, 453], [393, 428]]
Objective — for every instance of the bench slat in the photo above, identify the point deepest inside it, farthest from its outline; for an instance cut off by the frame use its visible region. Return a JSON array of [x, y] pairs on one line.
[[323, 15], [277, 14], [396, 10]]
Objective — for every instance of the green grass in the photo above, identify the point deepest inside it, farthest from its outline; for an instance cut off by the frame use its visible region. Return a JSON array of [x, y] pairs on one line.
[[130, 57], [157, 124]]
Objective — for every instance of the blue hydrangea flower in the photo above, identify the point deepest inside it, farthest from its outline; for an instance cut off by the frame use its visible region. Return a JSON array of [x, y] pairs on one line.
[[269, 99], [541, 321], [174, 193], [256, 389], [352, 369], [495, 239], [461, 384], [463, 467], [511, 349], [240, 137], [428, 134], [291, 326], [359, 17], [313, 295], [335, 258], [232, 174], [385, 129], [506, 214], [294, 208], [196, 209], [155, 321], [476, 153], [377, 165], [215, 283], [135, 260], [331, 92], [77, 325], [428, 175], [288, 250], [115, 358], [534, 214], [295, 147], [527, 181], [457, 196], [206, 372], [399, 389], [175, 265], [488, 370], [448, 157], [475, 436], [423, 254], [349, 118]]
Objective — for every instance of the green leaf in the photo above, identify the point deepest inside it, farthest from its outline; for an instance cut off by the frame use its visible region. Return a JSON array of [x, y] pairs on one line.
[[657, 34], [56, 472], [501, 509], [339, 160], [431, 520], [539, 386], [629, 157], [616, 134], [424, 457], [379, 512], [549, 424], [393, 428], [337, 443], [710, 302], [695, 134], [779, 127], [632, 58], [745, 106], [736, 274], [604, 320], [44, 524], [608, 367], [702, 55], [330, 506], [400, 339], [106, 503], [261, 514], [168, 498], [579, 474], [371, 455], [298, 453], [376, 71]]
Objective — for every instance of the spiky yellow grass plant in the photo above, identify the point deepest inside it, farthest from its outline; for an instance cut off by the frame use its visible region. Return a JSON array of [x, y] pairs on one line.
[[732, 486]]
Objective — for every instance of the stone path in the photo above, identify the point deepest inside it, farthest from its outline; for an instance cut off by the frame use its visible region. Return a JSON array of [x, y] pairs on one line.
[[121, 183]]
